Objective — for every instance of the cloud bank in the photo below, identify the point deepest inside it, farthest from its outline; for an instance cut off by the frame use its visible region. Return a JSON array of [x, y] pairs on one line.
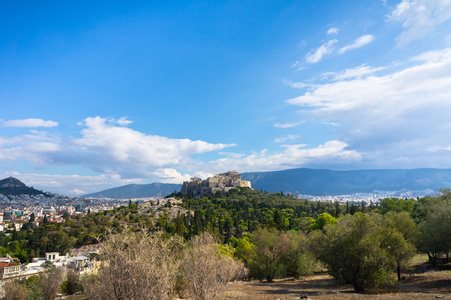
[[390, 118]]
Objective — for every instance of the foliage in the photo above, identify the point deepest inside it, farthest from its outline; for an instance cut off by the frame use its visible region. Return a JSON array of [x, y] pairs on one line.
[[397, 205], [270, 248], [357, 251], [435, 230], [72, 283]]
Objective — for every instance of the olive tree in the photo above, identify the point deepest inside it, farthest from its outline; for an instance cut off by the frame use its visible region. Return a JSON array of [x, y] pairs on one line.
[[357, 251], [435, 230], [270, 247]]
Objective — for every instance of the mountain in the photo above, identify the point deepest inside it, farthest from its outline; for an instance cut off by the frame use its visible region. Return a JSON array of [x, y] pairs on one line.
[[319, 182], [13, 186], [137, 191]]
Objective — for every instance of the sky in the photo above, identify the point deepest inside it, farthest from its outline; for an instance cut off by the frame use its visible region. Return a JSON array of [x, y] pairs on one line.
[[100, 94]]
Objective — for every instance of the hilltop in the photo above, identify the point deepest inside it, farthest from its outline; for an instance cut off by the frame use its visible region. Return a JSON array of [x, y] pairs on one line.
[[13, 186]]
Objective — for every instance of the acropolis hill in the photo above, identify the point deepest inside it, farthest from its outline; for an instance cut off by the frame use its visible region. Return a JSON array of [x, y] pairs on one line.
[[223, 182]]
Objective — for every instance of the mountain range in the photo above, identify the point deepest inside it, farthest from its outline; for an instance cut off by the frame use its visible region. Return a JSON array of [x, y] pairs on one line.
[[320, 182], [315, 182]]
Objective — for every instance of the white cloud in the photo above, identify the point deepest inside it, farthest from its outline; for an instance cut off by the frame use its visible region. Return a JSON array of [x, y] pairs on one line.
[[359, 42], [404, 112], [123, 121], [288, 125], [332, 30], [124, 146], [285, 138], [106, 145], [298, 85], [71, 184], [293, 156], [28, 123], [169, 175], [317, 55], [77, 192], [420, 17], [32, 147], [356, 72]]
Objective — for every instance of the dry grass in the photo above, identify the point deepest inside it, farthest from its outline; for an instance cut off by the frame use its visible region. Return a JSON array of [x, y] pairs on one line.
[[422, 282], [422, 286]]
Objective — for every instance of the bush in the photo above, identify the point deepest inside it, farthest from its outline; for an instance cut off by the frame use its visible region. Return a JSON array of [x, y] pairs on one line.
[[360, 252], [136, 266], [13, 290], [72, 283], [206, 271]]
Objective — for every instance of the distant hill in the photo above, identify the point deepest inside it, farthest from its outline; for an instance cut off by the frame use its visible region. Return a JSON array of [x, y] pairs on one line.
[[13, 186], [319, 182], [137, 191]]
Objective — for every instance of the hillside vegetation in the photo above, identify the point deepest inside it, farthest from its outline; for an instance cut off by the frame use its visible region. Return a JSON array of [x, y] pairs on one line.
[[273, 235]]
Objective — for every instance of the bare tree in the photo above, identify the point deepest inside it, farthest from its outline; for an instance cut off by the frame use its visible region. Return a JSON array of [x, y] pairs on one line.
[[206, 270], [13, 291], [135, 266], [51, 282]]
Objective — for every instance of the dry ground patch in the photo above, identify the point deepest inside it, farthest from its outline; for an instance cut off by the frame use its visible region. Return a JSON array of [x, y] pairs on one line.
[[430, 285]]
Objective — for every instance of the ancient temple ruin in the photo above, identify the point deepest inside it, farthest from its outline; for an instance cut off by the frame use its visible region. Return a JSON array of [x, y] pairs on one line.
[[223, 182]]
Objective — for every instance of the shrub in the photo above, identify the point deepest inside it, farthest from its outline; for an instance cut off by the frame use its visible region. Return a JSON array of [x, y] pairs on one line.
[[206, 271]]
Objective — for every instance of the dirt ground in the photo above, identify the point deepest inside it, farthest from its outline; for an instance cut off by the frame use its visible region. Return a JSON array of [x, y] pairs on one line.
[[435, 284], [423, 281]]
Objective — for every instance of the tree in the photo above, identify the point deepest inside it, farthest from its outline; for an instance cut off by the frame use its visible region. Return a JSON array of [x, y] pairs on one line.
[[270, 247], [297, 260], [13, 291], [137, 266], [356, 251], [206, 271], [396, 205], [244, 250], [71, 284], [435, 230], [403, 248], [51, 282], [322, 220]]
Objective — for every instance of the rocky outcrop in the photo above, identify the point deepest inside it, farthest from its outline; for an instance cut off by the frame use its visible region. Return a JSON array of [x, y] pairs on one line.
[[223, 182]]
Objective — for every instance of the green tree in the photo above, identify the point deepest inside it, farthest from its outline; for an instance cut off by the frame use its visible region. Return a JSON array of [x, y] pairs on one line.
[[297, 260], [356, 251], [435, 230], [403, 249], [322, 220], [397, 205], [270, 247]]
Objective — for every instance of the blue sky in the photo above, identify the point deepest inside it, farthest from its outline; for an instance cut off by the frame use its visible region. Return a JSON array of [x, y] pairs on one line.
[[100, 94]]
